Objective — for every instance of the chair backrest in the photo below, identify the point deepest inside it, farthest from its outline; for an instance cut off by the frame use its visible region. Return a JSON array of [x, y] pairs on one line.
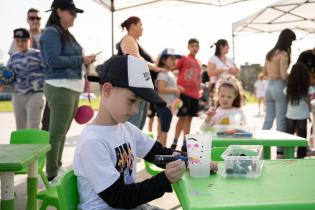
[[216, 153], [31, 136], [68, 192]]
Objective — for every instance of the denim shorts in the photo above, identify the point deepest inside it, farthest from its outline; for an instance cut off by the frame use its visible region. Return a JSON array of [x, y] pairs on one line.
[[165, 116]]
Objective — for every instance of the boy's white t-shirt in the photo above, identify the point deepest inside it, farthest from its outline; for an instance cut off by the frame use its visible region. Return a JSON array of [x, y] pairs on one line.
[[102, 152]]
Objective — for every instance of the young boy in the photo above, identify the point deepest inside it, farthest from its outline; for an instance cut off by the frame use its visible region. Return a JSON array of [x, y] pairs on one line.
[[189, 78], [28, 97], [105, 156]]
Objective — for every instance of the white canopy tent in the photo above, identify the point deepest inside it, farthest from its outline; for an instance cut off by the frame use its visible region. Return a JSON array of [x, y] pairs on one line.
[[120, 5], [298, 15]]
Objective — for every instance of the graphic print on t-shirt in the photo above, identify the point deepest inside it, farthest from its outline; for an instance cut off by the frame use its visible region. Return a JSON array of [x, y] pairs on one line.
[[191, 74], [124, 162]]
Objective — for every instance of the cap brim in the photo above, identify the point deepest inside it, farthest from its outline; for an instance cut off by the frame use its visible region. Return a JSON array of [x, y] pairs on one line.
[[93, 78], [176, 55], [77, 10], [149, 95]]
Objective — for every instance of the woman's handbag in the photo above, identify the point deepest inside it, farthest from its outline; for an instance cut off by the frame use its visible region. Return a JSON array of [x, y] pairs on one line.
[[85, 112]]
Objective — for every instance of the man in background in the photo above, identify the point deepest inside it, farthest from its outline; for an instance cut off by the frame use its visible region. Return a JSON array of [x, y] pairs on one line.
[[33, 20]]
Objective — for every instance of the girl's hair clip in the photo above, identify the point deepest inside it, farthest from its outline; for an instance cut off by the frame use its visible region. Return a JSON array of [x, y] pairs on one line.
[[230, 80]]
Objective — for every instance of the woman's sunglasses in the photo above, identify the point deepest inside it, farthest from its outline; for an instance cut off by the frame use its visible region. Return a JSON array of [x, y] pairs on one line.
[[32, 18], [73, 13]]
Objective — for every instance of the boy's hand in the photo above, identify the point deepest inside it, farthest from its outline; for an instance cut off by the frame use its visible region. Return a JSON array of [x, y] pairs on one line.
[[213, 167], [181, 88], [175, 170]]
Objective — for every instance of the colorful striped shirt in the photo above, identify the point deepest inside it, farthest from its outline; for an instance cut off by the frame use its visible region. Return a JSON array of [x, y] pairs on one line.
[[29, 69]]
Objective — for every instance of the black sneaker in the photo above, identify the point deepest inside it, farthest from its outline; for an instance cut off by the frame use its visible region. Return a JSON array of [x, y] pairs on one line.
[[173, 146], [184, 148]]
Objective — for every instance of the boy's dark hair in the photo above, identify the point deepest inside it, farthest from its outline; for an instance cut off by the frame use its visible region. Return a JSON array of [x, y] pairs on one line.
[[284, 43], [298, 83], [32, 10], [193, 40], [220, 43], [131, 20]]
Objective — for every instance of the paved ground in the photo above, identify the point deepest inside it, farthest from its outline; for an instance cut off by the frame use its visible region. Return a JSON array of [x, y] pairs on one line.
[[168, 201]]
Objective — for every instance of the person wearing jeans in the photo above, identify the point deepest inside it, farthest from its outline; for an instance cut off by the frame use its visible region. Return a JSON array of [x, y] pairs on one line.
[[276, 70], [276, 105]]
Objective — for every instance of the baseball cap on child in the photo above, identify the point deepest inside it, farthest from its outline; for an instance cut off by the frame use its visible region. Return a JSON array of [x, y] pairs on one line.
[[129, 72], [21, 33], [170, 51], [64, 4]]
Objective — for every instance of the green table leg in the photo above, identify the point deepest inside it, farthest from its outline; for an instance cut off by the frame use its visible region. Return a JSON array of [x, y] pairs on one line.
[[32, 185], [288, 152], [267, 152], [7, 191]]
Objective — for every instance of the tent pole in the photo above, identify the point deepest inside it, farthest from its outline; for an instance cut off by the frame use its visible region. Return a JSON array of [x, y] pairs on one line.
[[233, 46], [112, 12]]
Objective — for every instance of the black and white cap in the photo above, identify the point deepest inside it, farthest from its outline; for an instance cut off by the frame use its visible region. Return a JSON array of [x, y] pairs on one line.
[[64, 4], [129, 72]]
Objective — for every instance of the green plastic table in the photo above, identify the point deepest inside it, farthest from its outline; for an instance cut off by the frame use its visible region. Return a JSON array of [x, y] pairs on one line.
[[267, 138], [14, 157], [282, 185]]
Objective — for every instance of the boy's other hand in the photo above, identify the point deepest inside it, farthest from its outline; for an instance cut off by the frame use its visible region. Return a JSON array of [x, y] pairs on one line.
[[175, 170], [181, 88]]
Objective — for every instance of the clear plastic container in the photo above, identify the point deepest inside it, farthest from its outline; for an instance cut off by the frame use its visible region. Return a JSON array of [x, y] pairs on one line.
[[242, 161]]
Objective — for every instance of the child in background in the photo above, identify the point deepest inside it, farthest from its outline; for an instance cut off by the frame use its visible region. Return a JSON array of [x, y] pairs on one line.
[[229, 102], [189, 76], [260, 87], [28, 96], [168, 91], [298, 107], [105, 155]]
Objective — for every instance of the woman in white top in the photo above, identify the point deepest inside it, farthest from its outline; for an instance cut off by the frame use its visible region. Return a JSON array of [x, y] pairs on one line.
[[219, 65]]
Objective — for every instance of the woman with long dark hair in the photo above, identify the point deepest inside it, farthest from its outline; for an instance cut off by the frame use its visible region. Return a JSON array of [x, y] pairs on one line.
[[129, 45], [275, 69], [63, 59], [298, 108]]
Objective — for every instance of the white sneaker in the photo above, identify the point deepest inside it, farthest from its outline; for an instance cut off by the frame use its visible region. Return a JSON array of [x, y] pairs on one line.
[[54, 181], [61, 170]]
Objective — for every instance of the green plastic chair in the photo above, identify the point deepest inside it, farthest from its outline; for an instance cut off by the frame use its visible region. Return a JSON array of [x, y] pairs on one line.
[[215, 156], [63, 196], [32, 136]]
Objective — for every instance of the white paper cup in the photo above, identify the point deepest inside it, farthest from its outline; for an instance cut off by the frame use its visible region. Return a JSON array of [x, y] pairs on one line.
[[199, 154]]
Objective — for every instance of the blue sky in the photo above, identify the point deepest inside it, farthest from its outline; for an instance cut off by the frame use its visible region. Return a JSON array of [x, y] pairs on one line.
[[166, 25]]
